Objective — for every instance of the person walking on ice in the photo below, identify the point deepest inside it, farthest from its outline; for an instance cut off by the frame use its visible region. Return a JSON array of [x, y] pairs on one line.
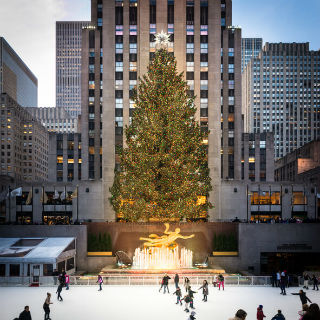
[[221, 281], [176, 280], [46, 307], [179, 295], [205, 290], [304, 299], [59, 292], [100, 282], [164, 283]]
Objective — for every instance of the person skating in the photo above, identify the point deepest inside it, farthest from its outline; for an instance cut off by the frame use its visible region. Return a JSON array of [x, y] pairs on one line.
[[215, 281], [274, 279], [315, 282], [304, 310], [240, 315], [100, 282], [25, 314], [59, 289], [313, 313], [164, 283], [221, 281], [179, 295], [190, 293], [278, 278], [186, 283], [46, 307], [279, 316], [283, 283], [192, 316], [304, 299], [186, 300], [306, 279], [67, 281], [205, 290], [176, 280], [260, 314]]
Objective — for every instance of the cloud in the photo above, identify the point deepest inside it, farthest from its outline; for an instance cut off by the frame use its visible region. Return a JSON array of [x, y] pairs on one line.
[[29, 27]]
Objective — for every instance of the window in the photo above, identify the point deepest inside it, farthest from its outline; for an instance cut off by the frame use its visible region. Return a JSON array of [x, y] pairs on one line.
[[14, 270], [299, 198]]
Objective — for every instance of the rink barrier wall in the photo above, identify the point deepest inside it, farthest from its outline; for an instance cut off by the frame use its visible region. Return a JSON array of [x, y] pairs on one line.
[[130, 280]]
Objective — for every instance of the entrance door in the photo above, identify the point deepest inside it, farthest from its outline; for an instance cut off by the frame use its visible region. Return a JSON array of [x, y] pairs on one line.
[[35, 273]]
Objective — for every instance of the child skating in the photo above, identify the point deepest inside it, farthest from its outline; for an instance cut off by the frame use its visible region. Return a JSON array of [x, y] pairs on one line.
[[179, 295], [205, 290]]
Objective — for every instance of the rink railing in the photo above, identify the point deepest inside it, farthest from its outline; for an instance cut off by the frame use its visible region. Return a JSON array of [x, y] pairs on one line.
[[131, 280]]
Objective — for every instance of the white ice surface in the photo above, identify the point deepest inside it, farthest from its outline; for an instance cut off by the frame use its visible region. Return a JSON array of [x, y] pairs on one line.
[[146, 303]]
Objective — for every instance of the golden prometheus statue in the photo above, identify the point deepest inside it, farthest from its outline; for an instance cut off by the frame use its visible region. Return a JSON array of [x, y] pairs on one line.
[[167, 240]]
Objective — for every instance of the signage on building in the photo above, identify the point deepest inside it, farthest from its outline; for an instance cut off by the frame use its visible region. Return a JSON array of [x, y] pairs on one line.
[[294, 246]]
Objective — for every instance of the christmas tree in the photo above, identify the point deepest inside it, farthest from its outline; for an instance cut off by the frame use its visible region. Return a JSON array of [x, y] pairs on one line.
[[164, 173]]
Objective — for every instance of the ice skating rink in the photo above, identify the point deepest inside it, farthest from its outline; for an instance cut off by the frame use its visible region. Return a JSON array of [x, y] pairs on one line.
[[146, 303]]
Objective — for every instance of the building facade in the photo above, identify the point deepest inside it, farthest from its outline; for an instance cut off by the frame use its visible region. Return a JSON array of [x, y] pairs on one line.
[[68, 65], [16, 79], [208, 51], [24, 143], [281, 93], [250, 48], [64, 157], [55, 119], [257, 157], [301, 165]]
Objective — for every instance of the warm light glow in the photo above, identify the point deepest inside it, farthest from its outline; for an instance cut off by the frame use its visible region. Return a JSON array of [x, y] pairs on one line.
[[251, 160]]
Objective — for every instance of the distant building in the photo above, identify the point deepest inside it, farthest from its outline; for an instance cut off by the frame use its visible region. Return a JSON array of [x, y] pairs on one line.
[[24, 143], [55, 119], [68, 65], [250, 48], [257, 162], [281, 94], [301, 165], [64, 157], [16, 79]]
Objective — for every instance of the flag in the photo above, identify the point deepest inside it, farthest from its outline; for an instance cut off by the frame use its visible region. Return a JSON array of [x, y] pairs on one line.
[[56, 195], [63, 195], [16, 192], [44, 197], [3, 195], [75, 193], [28, 201]]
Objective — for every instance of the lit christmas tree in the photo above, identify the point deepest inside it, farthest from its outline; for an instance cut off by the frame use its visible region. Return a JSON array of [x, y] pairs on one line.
[[164, 173]]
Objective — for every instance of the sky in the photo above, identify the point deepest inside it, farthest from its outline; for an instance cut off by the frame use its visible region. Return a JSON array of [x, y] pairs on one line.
[[29, 27]]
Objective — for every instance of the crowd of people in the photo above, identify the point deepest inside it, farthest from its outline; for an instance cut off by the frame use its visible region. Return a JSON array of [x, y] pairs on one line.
[[185, 295]]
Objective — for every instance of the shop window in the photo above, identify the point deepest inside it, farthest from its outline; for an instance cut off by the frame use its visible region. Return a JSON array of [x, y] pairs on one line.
[[299, 198], [70, 264], [47, 269]]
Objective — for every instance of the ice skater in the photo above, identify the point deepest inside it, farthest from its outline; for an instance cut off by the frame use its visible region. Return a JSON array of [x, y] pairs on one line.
[[190, 293], [67, 281], [176, 280], [279, 316], [260, 314], [192, 315], [205, 290], [46, 307], [283, 283], [59, 289], [303, 297], [278, 278], [179, 295], [25, 314], [186, 300], [315, 282], [221, 281], [186, 283], [100, 281], [164, 283], [215, 281], [306, 279]]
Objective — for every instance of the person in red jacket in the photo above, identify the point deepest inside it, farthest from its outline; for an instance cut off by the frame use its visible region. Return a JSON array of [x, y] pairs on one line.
[[260, 314]]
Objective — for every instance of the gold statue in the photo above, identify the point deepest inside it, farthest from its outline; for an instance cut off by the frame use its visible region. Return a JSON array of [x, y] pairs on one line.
[[167, 240]]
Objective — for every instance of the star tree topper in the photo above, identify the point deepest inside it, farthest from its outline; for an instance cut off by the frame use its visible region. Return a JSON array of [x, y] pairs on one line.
[[162, 39]]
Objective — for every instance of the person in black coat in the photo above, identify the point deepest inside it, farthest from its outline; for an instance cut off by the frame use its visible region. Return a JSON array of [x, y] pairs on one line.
[[205, 290], [304, 299], [25, 314], [283, 283], [315, 282], [313, 312], [179, 295], [190, 294], [164, 283], [176, 280], [59, 291]]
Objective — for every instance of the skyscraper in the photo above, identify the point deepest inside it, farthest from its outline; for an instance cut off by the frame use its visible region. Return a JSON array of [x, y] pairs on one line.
[[68, 65], [16, 79], [250, 48], [281, 93], [116, 51]]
